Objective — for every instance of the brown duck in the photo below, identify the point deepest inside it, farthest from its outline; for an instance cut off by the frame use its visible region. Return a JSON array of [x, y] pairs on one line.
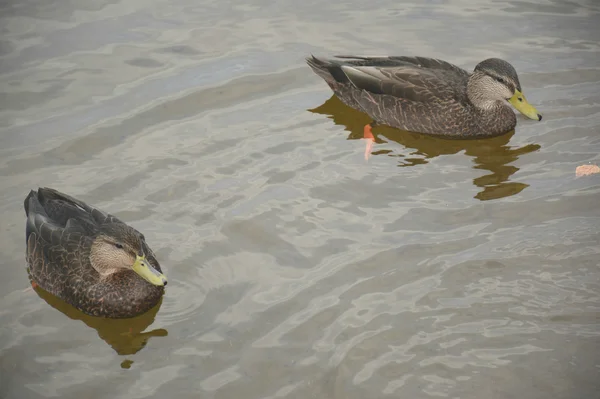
[[427, 95], [89, 258]]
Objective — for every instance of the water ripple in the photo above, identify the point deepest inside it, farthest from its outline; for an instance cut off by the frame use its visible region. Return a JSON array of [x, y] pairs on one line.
[[296, 269]]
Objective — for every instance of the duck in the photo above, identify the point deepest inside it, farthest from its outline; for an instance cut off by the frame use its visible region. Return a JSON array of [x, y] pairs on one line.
[[428, 95], [89, 258]]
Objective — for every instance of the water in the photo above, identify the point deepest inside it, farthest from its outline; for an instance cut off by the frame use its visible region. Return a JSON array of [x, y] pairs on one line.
[[296, 268]]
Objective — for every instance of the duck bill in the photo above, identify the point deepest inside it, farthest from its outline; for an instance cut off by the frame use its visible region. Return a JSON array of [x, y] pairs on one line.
[[147, 272], [519, 101]]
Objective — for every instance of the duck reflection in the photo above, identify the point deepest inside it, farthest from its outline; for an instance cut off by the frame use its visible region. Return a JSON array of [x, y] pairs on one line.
[[125, 336], [491, 154]]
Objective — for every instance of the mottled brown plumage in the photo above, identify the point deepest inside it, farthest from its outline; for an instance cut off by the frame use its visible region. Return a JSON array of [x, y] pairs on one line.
[[427, 95], [62, 234]]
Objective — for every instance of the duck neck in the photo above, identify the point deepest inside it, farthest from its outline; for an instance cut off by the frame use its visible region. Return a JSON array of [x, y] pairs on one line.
[[497, 116], [476, 94]]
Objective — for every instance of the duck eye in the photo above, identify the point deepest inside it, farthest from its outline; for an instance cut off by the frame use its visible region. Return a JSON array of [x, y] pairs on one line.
[[500, 80], [119, 246]]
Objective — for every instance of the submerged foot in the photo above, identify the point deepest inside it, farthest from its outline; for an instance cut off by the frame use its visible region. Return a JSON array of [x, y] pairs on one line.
[[34, 285], [368, 136]]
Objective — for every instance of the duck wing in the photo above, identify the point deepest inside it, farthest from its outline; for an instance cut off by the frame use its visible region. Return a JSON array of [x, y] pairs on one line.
[[52, 240], [46, 220], [412, 79], [62, 207], [60, 221]]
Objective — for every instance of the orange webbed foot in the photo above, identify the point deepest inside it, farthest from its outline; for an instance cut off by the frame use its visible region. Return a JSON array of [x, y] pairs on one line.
[[368, 136]]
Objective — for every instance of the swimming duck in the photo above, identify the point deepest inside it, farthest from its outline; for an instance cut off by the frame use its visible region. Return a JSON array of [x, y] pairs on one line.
[[89, 258], [427, 95]]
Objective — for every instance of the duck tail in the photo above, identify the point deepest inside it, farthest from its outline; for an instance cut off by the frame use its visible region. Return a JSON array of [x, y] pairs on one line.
[[46, 195], [33, 208], [328, 70], [27, 203]]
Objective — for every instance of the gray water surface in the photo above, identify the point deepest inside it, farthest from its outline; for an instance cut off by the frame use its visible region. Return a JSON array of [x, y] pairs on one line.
[[296, 268]]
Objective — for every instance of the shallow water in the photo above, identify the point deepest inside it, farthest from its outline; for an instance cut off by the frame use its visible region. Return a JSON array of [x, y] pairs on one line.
[[296, 268]]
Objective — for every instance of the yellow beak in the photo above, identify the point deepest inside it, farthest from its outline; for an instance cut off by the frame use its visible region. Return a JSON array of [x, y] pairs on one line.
[[147, 272], [519, 101]]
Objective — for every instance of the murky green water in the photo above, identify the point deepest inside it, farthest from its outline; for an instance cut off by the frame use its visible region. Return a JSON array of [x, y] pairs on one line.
[[296, 269]]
